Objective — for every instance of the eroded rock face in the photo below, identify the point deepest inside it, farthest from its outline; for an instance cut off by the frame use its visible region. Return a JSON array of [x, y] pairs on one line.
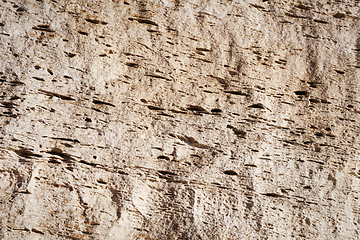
[[168, 119]]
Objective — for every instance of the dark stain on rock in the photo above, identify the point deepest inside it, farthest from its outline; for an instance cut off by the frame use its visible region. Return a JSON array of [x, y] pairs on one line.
[[331, 178], [116, 198]]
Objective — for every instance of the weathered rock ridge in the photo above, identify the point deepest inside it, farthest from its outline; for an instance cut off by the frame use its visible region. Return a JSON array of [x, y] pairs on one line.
[[218, 119]]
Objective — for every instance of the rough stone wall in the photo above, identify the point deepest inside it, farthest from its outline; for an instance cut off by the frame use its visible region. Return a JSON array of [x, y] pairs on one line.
[[198, 119]]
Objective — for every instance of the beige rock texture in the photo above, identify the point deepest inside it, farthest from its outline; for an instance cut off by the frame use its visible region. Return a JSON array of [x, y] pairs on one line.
[[196, 119]]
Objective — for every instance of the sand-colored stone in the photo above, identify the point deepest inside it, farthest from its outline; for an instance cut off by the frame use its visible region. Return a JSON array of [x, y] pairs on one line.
[[193, 119]]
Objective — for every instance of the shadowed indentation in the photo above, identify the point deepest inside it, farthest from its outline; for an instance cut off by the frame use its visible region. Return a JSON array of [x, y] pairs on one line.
[[230, 172], [257, 105], [196, 108], [67, 139], [190, 141], [272, 195], [237, 93], [155, 108], [145, 21], [104, 103], [237, 132], [301, 93], [94, 21], [51, 94], [58, 152], [26, 153], [44, 27]]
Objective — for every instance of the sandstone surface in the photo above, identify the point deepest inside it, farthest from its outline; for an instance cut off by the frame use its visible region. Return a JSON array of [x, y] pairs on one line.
[[172, 119]]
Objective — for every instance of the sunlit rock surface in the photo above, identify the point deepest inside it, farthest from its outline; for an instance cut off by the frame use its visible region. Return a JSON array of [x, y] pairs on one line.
[[165, 119]]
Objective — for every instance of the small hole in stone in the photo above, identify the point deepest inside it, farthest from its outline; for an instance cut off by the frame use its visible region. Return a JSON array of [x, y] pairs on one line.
[[230, 172], [101, 181], [258, 105], [339, 72], [163, 157], [301, 93]]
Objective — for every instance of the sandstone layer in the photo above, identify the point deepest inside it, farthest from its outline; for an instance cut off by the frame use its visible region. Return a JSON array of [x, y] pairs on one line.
[[198, 119]]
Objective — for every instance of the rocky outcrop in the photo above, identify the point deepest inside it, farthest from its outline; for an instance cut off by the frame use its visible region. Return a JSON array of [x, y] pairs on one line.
[[177, 119]]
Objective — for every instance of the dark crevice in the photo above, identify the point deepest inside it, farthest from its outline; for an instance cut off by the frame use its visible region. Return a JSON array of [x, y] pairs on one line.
[[320, 21], [165, 115], [98, 110], [216, 110], [54, 160], [301, 93], [94, 21], [230, 172], [58, 152], [157, 76], [8, 104], [196, 109], [45, 28], [89, 164], [145, 21], [250, 165], [70, 55], [190, 141], [39, 79], [303, 7], [83, 33], [339, 15], [133, 65], [67, 139], [166, 173], [163, 158], [203, 50], [101, 181], [314, 100], [237, 93], [26, 153], [104, 103], [237, 131], [50, 94], [37, 231], [272, 195], [14, 83], [155, 108], [257, 105]]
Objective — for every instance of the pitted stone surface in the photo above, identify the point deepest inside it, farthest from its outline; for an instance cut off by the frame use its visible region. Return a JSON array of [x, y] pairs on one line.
[[179, 119]]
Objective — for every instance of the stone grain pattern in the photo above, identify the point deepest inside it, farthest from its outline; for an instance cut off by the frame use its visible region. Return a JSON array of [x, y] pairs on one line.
[[198, 119]]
